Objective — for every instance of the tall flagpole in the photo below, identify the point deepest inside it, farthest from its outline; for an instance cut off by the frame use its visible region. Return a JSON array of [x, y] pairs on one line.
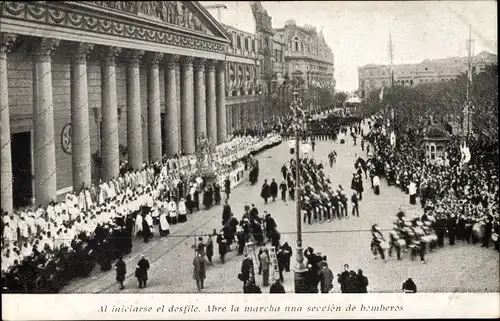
[[391, 81], [469, 80]]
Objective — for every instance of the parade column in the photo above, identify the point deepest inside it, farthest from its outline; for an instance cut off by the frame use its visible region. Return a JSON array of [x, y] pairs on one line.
[[154, 111], [109, 134], [43, 119], [187, 110], [80, 133], [171, 107], [221, 102], [134, 113], [6, 41], [211, 108], [200, 107]]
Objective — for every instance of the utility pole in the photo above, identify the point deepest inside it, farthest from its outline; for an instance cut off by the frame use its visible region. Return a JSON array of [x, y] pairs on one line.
[[218, 7], [391, 79], [469, 80]]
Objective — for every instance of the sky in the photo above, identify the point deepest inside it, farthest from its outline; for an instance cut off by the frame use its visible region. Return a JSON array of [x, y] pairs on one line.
[[358, 31]]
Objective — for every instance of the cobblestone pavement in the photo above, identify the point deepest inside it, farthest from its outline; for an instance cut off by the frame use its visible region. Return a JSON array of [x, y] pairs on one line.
[[458, 268]]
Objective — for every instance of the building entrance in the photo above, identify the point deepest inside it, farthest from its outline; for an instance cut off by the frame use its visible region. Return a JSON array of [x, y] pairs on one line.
[[22, 187]]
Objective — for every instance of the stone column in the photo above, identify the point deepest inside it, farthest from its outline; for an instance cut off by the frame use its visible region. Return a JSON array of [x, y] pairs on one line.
[[43, 118], [171, 106], [6, 41], [200, 104], [134, 112], [109, 134], [221, 102], [211, 108], [154, 110], [187, 110], [80, 132], [178, 104]]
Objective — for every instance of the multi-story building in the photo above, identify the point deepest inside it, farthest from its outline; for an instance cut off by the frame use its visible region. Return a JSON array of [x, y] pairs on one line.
[[81, 83], [307, 58], [374, 77], [84, 85]]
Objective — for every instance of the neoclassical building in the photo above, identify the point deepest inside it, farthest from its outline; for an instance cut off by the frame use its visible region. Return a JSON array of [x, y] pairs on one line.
[[302, 53], [374, 77], [85, 83]]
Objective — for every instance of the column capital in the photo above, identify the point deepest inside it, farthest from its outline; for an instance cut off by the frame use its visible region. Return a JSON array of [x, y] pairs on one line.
[[187, 61], [172, 60], [79, 52], [153, 58], [45, 48], [6, 42], [221, 64], [109, 54], [199, 64], [210, 64], [133, 57]]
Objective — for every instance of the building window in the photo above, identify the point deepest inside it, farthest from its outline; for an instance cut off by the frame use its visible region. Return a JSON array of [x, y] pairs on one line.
[[433, 152], [246, 44], [238, 42], [411, 82]]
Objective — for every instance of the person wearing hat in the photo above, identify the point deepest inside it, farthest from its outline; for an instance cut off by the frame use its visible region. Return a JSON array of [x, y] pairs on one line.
[[251, 287], [199, 271], [121, 271], [277, 287], [409, 286], [141, 271], [265, 191], [247, 270], [326, 277], [361, 282]]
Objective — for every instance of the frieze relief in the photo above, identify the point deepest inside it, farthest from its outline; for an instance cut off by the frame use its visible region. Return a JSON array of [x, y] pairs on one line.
[[56, 15], [173, 12]]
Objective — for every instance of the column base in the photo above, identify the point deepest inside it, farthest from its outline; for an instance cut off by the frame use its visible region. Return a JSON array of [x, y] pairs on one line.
[[300, 279]]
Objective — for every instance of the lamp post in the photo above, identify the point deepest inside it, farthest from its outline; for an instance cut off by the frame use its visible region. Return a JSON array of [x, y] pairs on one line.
[[300, 269]]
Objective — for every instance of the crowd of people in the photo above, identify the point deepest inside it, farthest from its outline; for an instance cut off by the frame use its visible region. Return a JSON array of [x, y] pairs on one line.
[[459, 199], [45, 248]]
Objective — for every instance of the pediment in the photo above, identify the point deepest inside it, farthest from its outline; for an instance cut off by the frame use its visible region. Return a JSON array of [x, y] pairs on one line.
[[188, 15]]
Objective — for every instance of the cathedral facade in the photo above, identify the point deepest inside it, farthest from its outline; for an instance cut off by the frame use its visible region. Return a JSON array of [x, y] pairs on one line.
[[85, 85]]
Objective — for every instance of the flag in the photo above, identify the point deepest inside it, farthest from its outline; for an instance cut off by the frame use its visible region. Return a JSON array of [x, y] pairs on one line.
[[381, 96]]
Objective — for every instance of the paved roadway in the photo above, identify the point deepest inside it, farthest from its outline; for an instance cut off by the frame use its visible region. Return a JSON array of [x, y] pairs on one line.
[[461, 268]]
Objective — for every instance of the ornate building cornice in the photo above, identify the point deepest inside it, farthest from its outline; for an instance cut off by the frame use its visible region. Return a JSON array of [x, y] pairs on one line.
[[77, 16]]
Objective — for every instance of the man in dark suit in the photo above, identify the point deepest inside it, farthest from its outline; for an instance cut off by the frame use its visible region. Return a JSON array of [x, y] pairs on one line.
[[283, 190], [265, 192], [273, 189]]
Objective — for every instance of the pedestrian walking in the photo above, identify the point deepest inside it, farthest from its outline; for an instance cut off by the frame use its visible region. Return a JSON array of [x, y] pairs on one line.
[[141, 271], [265, 263], [121, 271], [199, 272]]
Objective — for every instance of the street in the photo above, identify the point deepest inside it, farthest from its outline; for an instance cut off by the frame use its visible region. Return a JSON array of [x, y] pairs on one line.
[[458, 268]]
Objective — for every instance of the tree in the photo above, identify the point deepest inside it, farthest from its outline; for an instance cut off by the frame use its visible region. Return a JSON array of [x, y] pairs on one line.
[[339, 98]]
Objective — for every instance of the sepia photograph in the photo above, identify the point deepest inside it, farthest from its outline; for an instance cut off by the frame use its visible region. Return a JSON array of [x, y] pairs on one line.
[[246, 147]]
